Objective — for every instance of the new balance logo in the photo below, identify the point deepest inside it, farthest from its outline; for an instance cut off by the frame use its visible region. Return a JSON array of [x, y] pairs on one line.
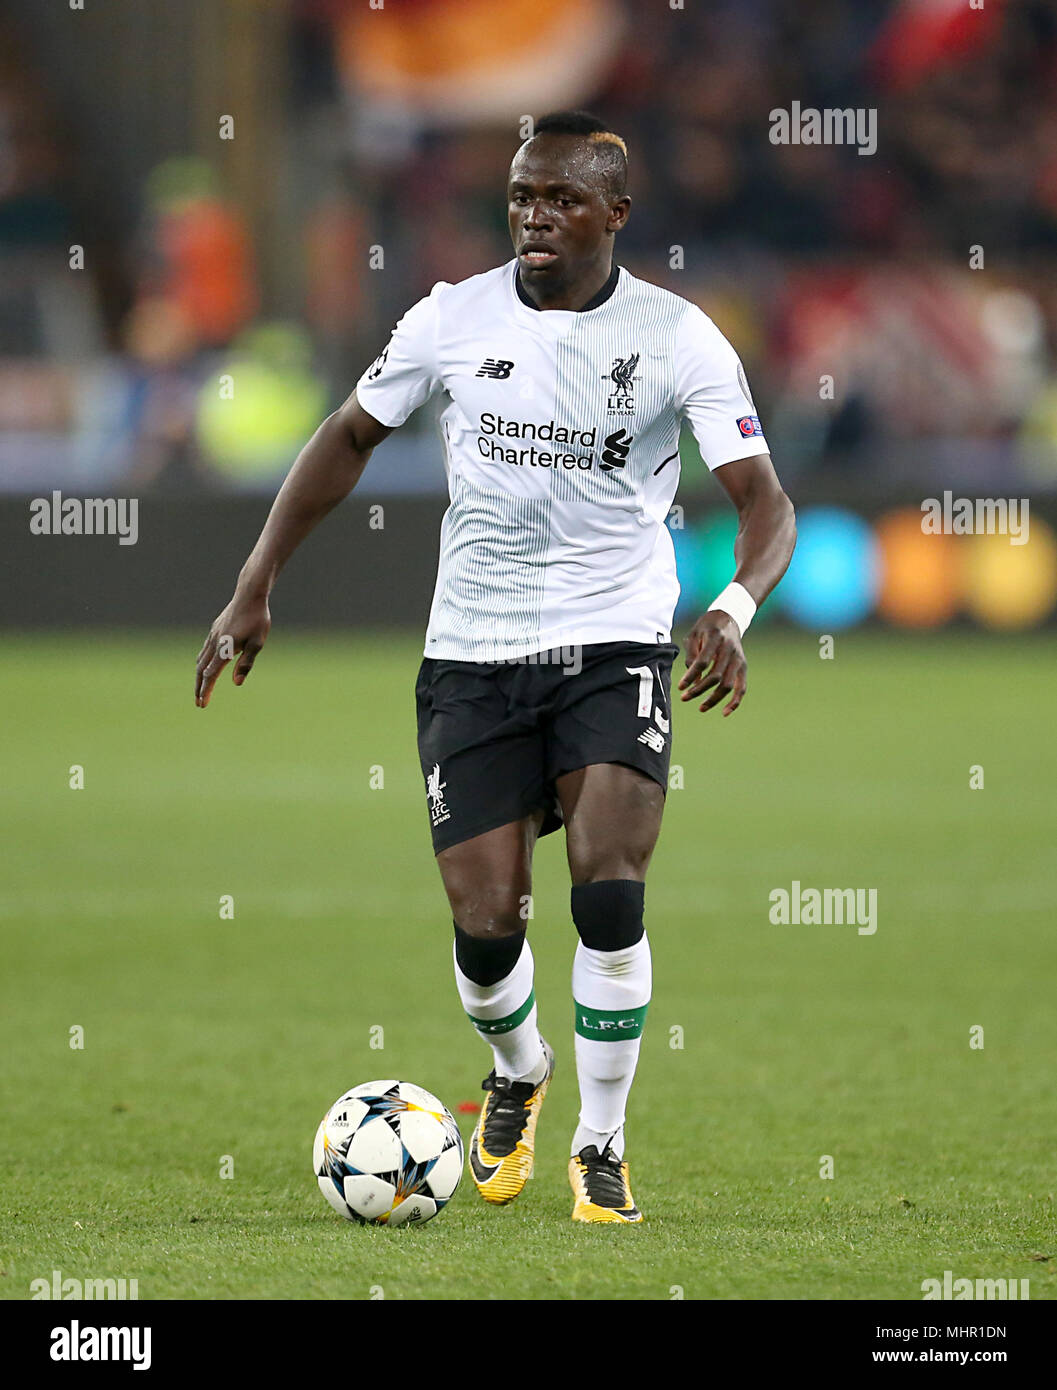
[[652, 739], [616, 449], [495, 367]]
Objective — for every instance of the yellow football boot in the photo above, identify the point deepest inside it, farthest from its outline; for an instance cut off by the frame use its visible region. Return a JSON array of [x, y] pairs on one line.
[[601, 1188], [502, 1149]]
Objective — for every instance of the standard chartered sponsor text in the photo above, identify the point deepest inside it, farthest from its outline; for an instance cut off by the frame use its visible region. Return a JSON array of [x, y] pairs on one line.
[[494, 428]]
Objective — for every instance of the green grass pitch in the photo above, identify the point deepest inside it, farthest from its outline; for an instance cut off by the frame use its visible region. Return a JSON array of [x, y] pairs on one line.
[[206, 1037]]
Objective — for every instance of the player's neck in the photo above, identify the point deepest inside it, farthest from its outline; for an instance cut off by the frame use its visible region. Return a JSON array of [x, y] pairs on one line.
[[595, 285]]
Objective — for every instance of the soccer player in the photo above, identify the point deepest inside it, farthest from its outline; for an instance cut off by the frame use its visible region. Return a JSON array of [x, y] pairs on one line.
[[544, 695]]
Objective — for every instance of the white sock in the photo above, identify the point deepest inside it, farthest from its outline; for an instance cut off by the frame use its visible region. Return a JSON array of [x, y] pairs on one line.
[[504, 1014], [611, 990]]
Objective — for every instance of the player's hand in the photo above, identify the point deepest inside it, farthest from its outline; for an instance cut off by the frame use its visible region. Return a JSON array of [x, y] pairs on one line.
[[714, 657], [241, 630]]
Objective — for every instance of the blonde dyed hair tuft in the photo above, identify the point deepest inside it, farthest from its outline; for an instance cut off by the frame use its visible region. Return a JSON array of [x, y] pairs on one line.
[[608, 137]]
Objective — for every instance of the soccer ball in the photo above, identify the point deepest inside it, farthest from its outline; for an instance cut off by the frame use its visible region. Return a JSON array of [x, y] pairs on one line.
[[386, 1153]]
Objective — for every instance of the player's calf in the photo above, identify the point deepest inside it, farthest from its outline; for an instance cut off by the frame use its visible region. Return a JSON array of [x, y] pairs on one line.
[[495, 982], [612, 978]]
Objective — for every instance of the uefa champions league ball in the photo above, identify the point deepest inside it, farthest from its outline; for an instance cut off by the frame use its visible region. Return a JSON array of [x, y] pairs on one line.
[[388, 1153]]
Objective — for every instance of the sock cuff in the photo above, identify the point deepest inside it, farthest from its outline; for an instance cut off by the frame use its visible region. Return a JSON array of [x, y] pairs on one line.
[[608, 914], [503, 1005], [484, 959]]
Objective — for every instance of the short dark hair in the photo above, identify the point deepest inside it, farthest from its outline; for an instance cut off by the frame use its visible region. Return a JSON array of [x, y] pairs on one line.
[[610, 149]]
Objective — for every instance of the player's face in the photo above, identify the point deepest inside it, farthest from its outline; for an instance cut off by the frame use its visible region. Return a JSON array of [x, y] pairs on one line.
[[561, 217]]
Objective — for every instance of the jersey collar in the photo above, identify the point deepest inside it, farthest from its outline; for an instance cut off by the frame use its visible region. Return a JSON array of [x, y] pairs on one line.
[[593, 303]]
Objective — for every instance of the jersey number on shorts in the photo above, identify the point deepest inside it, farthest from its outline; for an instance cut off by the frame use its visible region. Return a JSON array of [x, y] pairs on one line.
[[645, 675]]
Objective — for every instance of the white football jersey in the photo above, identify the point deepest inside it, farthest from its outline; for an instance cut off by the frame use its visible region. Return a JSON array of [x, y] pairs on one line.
[[561, 446]]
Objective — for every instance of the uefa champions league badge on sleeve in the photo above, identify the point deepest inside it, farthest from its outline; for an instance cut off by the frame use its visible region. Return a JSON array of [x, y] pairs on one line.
[[749, 425]]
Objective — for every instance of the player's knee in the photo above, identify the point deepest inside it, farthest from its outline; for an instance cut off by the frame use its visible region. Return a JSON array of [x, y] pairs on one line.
[[487, 901], [488, 959], [608, 914], [490, 919], [601, 862]]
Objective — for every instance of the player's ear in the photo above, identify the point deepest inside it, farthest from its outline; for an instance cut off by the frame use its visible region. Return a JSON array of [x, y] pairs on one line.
[[618, 214]]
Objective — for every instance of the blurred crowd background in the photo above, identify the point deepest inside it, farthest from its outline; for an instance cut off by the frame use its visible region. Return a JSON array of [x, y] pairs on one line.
[[368, 159]]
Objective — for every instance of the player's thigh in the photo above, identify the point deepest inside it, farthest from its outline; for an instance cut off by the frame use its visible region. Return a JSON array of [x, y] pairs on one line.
[[612, 819], [488, 878], [481, 753]]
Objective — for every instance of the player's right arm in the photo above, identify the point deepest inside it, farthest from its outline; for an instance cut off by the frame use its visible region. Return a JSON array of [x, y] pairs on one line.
[[326, 471], [398, 381]]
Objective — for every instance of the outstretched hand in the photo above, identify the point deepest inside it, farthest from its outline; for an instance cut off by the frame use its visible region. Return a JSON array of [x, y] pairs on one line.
[[241, 630], [714, 657]]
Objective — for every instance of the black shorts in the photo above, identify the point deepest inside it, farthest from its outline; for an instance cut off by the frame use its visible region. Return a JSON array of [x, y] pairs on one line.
[[493, 737]]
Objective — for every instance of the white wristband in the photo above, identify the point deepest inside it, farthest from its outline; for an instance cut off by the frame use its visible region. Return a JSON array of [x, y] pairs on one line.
[[736, 601]]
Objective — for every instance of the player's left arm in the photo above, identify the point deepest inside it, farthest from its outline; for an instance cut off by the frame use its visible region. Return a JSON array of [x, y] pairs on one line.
[[762, 551]]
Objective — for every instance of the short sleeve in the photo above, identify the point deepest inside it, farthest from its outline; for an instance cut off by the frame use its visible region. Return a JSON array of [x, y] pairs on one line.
[[404, 374], [712, 393]]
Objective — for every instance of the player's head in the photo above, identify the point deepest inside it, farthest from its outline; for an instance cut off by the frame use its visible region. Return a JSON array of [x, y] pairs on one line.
[[566, 198]]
